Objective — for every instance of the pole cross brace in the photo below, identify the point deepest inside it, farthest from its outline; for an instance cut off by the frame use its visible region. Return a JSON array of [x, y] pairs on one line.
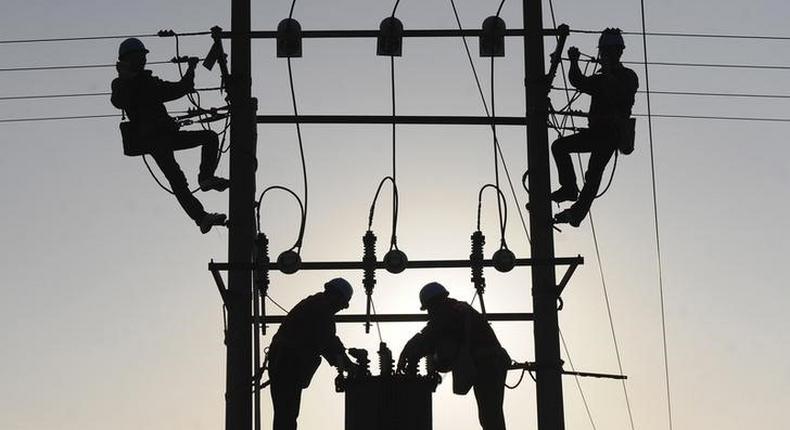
[[373, 34], [223, 291], [412, 264]]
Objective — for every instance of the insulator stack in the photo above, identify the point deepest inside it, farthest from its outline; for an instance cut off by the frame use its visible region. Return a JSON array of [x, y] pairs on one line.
[[261, 273], [369, 278], [476, 261], [386, 363]]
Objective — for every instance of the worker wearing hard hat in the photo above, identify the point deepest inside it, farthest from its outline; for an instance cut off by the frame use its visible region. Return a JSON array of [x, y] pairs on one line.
[[142, 96], [306, 335], [610, 128], [458, 338]]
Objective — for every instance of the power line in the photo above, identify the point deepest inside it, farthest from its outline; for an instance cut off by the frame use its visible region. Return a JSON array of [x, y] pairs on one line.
[[671, 116], [703, 94], [75, 95], [692, 35], [84, 38], [78, 66], [713, 65], [655, 217]]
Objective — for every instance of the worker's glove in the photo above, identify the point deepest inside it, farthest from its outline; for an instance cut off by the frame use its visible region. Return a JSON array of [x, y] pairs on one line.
[[193, 62], [409, 354], [573, 53]]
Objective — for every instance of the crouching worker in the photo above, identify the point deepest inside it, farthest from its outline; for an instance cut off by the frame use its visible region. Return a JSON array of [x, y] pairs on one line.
[[142, 96], [306, 335], [458, 338]]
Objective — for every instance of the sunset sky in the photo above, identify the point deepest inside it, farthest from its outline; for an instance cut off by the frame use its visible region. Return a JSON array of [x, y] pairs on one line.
[[111, 320]]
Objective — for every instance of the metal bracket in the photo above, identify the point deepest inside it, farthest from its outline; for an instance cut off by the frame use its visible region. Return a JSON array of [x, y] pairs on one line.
[[556, 57], [223, 291], [532, 367]]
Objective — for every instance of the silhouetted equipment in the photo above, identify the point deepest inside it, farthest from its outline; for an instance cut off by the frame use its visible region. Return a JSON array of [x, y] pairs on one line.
[[504, 260], [492, 39], [387, 401], [369, 278], [217, 55], [289, 38], [260, 276], [132, 144], [390, 38], [289, 261], [556, 56], [476, 261], [395, 261]]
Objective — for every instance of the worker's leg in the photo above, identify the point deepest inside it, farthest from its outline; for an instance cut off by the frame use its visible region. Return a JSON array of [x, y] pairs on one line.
[[286, 392], [592, 179], [178, 182], [562, 149], [490, 393], [209, 143]]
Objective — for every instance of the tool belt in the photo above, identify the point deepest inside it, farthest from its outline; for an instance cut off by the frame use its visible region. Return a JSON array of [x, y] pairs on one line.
[[626, 132], [133, 144]]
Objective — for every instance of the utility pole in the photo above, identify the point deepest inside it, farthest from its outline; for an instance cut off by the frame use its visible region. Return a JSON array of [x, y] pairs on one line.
[[238, 392], [544, 288]]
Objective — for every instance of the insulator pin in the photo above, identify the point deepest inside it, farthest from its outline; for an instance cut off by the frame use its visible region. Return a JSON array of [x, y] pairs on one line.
[[289, 38], [492, 39]]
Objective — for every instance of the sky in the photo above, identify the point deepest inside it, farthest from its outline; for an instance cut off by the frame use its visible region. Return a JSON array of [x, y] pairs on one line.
[[111, 319]]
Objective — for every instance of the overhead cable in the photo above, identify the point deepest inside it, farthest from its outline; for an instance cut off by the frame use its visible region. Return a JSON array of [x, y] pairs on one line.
[[78, 66], [77, 95], [691, 35], [655, 218]]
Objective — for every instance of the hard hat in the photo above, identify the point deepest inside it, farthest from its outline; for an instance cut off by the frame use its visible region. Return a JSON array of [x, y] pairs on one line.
[[130, 45], [611, 37], [430, 292], [340, 287]]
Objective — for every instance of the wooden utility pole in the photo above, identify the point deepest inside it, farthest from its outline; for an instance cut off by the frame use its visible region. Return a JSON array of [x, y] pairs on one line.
[[544, 289], [238, 392]]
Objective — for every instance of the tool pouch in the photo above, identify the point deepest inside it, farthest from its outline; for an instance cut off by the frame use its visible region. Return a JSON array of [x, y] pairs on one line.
[[133, 145], [626, 130]]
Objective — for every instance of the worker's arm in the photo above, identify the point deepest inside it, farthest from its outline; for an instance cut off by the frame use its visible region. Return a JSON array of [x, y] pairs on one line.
[[120, 94], [169, 91], [575, 75]]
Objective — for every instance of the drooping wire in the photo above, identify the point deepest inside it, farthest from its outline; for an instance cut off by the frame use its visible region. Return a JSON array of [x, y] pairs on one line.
[[501, 201], [301, 144], [485, 108], [275, 303], [496, 155], [655, 217], [395, 205], [378, 325], [302, 211], [499, 9], [395, 8]]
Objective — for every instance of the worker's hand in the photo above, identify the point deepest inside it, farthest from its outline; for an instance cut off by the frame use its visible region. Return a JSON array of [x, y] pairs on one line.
[[193, 62], [573, 53]]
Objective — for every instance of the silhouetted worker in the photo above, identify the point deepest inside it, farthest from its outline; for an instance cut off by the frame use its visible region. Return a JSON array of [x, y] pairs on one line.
[[459, 339], [612, 93], [307, 334], [142, 96]]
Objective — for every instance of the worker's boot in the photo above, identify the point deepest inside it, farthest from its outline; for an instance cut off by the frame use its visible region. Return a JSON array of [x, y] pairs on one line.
[[565, 194], [569, 216], [210, 220], [213, 183]]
